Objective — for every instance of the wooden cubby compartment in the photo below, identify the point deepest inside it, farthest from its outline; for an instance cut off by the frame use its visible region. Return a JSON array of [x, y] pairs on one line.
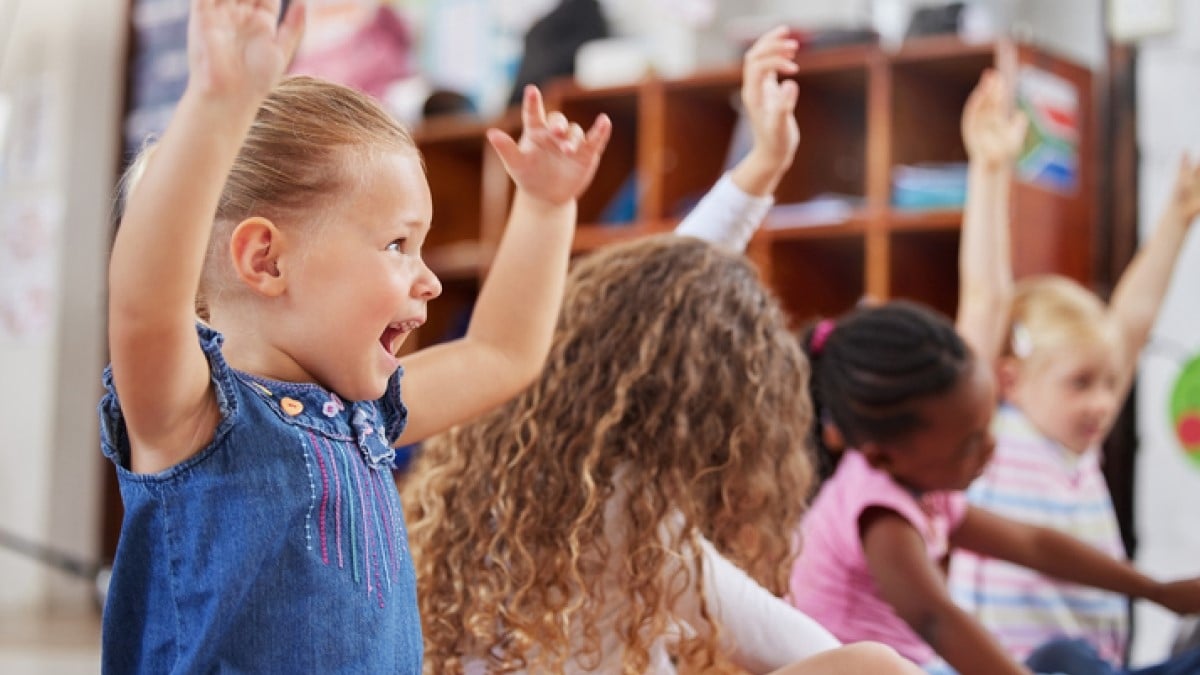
[[820, 276]]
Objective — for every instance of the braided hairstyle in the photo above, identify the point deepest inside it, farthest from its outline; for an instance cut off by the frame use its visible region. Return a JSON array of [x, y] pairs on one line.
[[871, 367]]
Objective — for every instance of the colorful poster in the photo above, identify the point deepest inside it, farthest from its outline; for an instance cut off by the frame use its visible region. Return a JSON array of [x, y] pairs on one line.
[[1050, 158], [1185, 410]]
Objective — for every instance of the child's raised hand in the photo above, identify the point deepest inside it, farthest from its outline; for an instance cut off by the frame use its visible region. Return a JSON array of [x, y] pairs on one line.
[[1181, 597], [1185, 198], [992, 132], [555, 160], [770, 103], [235, 47]]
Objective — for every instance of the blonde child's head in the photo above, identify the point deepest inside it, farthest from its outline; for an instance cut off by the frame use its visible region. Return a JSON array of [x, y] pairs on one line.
[[324, 183], [1060, 363], [673, 381], [306, 144]]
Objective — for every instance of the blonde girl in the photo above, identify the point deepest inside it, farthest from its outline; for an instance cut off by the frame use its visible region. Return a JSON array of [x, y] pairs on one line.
[[262, 532], [1065, 362]]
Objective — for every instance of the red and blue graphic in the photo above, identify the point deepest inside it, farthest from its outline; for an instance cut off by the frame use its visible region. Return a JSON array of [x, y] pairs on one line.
[[1050, 158]]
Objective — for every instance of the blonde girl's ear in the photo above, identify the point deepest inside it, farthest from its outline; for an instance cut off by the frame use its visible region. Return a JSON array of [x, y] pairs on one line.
[[256, 247]]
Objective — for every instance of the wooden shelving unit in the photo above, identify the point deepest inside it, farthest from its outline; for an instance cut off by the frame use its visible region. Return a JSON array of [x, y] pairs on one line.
[[861, 112]]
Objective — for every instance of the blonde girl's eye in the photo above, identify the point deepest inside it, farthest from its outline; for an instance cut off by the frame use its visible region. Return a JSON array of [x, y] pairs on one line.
[[397, 245]]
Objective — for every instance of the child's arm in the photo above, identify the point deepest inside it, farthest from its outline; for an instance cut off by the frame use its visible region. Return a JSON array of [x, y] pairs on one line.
[[1058, 555], [235, 55], [916, 590], [513, 323], [731, 212], [1140, 291], [993, 135]]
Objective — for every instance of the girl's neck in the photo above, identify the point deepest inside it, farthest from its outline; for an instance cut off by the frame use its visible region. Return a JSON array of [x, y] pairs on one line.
[[248, 348]]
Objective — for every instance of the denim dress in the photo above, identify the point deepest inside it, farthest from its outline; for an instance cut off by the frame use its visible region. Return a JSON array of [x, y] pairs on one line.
[[279, 548]]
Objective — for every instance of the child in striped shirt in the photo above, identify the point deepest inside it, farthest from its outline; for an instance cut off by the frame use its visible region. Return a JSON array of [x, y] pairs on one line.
[[1064, 363]]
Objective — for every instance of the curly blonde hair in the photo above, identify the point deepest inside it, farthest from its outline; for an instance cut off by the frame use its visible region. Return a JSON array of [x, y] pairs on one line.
[[671, 366]]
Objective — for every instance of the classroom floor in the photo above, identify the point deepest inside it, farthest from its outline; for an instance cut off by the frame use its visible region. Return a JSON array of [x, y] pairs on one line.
[[61, 645]]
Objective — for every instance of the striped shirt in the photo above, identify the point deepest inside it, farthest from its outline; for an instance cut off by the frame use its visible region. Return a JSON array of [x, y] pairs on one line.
[[1037, 481]]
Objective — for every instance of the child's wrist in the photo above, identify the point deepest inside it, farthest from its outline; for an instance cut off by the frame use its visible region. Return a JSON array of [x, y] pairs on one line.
[[219, 110], [990, 167], [761, 171], [539, 205]]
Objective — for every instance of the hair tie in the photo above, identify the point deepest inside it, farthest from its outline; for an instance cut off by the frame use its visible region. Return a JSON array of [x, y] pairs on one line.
[[820, 335], [1022, 341]]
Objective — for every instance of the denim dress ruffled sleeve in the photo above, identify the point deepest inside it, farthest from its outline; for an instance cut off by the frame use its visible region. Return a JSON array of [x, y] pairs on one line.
[[280, 547]]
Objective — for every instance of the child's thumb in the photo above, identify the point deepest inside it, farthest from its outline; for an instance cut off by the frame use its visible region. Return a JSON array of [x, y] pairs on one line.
[[505, 146]]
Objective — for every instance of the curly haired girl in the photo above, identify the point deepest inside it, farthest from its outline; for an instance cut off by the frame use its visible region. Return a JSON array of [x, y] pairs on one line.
[[599, 520]]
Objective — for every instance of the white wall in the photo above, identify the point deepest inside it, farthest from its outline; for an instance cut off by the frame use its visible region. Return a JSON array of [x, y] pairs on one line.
[[72, 50], [1168, 488]]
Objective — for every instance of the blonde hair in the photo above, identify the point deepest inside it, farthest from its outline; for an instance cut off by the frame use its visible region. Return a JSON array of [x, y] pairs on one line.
[[1052, 312], [298, 151], [672, 379]]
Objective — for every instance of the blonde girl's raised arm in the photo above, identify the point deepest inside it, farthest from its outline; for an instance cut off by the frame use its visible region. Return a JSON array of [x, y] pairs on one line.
[[993, 134], [1139, 293], [509, 335], [236, 53]]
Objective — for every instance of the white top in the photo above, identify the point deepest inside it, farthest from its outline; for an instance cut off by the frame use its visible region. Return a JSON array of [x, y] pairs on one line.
[[726, 216], [759, 631]]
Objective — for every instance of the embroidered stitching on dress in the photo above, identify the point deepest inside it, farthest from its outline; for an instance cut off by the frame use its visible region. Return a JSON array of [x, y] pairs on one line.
[[324, 497], [312, 494]]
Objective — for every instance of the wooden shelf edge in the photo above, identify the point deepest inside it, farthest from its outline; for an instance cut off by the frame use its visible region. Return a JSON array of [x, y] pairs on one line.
[[590, 237], [924, 220], [939, 47]]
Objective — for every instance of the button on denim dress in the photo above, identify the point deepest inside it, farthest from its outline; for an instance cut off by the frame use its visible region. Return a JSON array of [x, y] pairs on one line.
[[279, 548]]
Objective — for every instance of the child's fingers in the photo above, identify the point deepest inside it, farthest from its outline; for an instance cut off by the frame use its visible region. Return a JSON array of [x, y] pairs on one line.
[[789, 93], [597, 136], [557, 123], [572, 139], [533, 110], [1017, 126], [767, 40], [292, 29]]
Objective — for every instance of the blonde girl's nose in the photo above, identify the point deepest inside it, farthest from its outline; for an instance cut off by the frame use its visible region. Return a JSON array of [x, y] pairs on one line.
[[428, 286]]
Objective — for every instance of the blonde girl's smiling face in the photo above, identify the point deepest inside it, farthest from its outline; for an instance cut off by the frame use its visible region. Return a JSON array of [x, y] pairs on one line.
[[1068, 392], [360, 286]]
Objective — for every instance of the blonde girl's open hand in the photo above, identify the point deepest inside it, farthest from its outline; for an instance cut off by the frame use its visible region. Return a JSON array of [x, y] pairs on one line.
[[555, 160], [237, 49], [769, 103], [992, 130]]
